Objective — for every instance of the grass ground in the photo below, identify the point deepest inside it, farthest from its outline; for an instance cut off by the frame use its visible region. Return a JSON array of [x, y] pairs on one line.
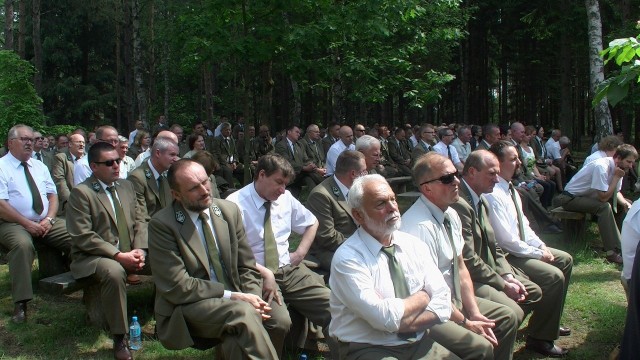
[[595, 310]]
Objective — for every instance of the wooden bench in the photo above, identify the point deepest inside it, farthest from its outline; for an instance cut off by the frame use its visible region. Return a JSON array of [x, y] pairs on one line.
[[66, 284], [399, 184], [574, 223]]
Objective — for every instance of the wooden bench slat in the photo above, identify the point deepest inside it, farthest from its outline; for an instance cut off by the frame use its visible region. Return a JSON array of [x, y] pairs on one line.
[[563, 214]]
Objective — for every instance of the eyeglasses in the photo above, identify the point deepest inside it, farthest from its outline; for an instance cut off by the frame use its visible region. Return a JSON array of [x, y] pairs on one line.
[[109, 163], [39, 138], [359, 129], [445, 179], [24, 139]]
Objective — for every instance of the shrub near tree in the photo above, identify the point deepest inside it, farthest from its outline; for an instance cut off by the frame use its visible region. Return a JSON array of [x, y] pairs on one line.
[[19, 102]]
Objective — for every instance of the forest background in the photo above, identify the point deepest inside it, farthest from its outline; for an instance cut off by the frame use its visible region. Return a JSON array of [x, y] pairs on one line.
[[302, 61]]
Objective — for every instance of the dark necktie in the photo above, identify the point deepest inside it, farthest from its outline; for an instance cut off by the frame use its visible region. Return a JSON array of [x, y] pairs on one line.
[[483, 231], [39, 156], [400, 149], [512, 191], [425, 146], [37, 205], [121, 222], [162, 190], [400, 287], [214, 253], [456, 296], [271, 258], [449, 152]]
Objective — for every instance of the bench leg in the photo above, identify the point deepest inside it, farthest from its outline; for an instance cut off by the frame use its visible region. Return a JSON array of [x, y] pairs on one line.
[[51, 261], [574, 230], [93, 304]]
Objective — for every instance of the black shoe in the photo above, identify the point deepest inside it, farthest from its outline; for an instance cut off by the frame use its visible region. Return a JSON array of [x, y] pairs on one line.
[[614, 258], [564, 331], [19, 312], [545, 347]]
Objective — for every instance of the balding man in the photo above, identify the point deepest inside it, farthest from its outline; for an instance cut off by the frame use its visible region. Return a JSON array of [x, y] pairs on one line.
[[478, 328], [311, 143], [385, 293], [82, 169], [28, 207], [345, 143], [62, 171], [327, 202], [426, 136], [164, 134]]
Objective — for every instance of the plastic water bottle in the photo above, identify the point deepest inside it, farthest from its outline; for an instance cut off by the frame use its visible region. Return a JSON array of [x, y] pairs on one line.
[[303, 356], [135, 334]]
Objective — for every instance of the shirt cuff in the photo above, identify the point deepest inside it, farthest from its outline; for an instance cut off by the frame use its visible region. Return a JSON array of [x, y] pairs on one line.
[[226, 294]]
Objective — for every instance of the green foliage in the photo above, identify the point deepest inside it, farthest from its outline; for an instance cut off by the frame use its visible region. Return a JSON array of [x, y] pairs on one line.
[[19, 102], [626, 54]]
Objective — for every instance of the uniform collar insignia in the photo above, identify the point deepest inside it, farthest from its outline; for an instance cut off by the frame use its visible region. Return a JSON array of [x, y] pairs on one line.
[[96, 186], [216, 211], [147, 173], [69, 158], [180, 217], [336, 191]]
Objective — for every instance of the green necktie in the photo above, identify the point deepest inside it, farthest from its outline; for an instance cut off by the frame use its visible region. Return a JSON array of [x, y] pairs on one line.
[[455, 273], [121, 222], [271, 258], [161, 190], [214, 254], [400, 287], [483, 232], [512, 190], [37, 205]]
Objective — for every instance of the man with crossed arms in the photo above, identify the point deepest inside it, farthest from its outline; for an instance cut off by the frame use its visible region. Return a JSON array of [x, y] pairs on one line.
[[386, 291], [470, 331]]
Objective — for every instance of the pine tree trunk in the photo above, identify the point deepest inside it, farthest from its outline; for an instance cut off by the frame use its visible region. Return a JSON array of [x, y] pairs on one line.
[[602, 115], [8, 24], [37, 46], [141, 91], [22, 27]]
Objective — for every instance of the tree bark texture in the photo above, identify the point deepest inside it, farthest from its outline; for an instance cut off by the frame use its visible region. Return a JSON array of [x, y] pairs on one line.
[[8, 24], [596, 66]]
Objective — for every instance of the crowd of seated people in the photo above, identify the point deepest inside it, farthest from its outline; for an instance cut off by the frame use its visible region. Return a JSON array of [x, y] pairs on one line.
[[209, 217]]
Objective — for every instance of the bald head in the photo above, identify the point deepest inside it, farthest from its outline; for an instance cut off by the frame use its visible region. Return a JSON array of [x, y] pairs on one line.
[[166, 134], [346, 135]]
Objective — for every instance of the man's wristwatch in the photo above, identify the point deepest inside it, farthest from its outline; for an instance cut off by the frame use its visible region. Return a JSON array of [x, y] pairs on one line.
[[51, 220], [463, 322]]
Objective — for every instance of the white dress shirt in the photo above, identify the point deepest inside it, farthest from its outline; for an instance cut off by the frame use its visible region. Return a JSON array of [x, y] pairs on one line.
[[364, 308], [504, 220], [143, 156], [287, 215], [553, 149], [629, 238], [414, 140], [425, 221], [81, 170], [127, 165], [332, 156], [594, 176], [14, 187], [463, 149], [441, 149], [594, 156], [132, 136]]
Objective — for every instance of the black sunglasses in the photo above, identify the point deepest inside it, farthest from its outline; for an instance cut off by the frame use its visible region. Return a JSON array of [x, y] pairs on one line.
[[445, 179], [109, 163]]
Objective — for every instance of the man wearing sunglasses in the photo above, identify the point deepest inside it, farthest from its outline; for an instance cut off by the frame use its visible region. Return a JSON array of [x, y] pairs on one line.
[[549, 268], [107, 243], [28, 206], [478, 328]]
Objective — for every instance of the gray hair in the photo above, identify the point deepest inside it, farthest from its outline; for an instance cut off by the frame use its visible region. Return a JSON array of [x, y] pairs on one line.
[[122, 138], [564, 140], [442, 132], [13, 132], [462, 129], [162, 144], [365, 142], [356, 192]]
